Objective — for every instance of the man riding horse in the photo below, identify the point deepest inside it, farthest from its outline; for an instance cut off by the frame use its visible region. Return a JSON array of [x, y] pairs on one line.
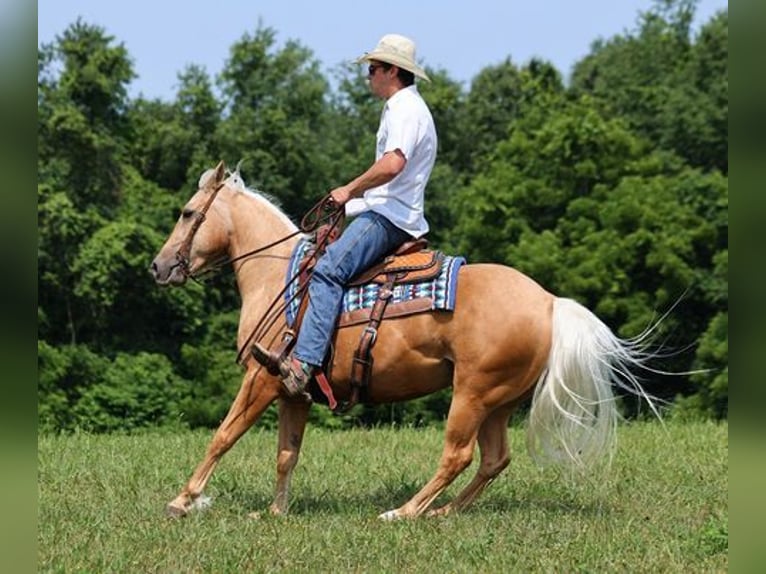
[[504, 340], [386, 200]]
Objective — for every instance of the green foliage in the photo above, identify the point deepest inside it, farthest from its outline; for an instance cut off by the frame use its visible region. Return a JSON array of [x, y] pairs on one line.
[[79, 389], [65, 373], [612, 190], [212, 368], [172, 142], [713, 357], [545, 163], [277, 115], [133, 392], [578, 203], [668, 88], [61, 228], [81, 114], [113, 282]]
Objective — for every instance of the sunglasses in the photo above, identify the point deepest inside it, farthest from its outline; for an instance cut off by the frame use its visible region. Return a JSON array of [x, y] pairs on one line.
[[373, 67]]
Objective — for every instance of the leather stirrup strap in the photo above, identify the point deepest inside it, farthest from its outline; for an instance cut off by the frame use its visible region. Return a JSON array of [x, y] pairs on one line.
[[361, 367]]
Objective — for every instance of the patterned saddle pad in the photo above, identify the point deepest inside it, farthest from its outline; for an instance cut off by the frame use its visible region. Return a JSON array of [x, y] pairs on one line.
[[435, 294]]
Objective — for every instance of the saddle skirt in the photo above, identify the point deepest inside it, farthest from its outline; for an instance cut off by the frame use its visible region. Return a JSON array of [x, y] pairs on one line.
[[425, 281]]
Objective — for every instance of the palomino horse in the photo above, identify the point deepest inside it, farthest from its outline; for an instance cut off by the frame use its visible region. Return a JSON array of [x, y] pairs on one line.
[[508, 339]]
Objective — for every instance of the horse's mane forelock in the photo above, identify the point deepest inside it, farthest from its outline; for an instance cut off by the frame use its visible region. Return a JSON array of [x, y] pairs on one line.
[[232, 179]]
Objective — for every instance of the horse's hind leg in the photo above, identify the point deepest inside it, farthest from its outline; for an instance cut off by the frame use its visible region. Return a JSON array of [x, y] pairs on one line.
[[253, 398], [463, 422], [495, 456]]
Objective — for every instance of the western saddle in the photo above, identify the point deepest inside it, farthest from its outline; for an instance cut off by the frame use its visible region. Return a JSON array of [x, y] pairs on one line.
[[411, 262]]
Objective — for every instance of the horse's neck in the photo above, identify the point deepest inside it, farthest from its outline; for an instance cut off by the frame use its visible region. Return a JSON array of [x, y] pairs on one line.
[[260, 278]]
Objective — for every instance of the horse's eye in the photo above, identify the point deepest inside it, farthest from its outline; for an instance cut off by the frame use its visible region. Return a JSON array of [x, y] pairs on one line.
[[187, 213]]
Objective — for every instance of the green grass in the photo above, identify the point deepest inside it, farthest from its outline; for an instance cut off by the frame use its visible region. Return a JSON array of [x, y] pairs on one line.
[[663, 507]]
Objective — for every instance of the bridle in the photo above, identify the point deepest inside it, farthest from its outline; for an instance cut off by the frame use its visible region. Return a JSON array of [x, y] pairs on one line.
[[183, 255], [324, 212]]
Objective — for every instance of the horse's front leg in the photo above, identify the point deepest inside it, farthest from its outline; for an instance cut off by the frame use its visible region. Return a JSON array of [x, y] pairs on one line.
[[292, 424], [257, 392]]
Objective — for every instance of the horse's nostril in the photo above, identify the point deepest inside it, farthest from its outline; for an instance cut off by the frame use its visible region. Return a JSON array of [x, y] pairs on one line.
[[153, 269]]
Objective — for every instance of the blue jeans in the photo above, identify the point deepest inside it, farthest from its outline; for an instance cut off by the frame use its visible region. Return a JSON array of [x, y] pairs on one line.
[[365, 241]]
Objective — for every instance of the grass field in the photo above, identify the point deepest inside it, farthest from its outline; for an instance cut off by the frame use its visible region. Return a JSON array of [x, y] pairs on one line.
[[663, 507]]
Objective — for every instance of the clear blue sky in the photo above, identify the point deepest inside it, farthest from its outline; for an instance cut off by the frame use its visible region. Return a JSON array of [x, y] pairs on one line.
[[163, 36]]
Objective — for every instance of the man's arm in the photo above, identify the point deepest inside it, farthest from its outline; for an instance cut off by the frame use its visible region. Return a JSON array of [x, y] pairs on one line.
[[382, 171]]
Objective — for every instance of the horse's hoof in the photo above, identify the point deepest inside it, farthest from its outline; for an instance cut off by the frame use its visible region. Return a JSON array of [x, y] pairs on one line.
[[389, 516], [175, 511], [202, 502]]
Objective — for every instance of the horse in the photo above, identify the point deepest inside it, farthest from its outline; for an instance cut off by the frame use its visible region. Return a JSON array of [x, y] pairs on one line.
[[507, 340]]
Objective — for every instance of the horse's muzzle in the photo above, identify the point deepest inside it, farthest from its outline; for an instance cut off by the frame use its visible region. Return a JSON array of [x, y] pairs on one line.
[[167, 273]]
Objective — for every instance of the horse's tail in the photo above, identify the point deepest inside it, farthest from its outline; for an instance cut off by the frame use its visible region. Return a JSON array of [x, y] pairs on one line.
[[573, 417]]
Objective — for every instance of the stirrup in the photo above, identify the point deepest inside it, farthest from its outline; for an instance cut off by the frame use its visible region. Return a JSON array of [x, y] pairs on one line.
[[267, 358], [270, 359]]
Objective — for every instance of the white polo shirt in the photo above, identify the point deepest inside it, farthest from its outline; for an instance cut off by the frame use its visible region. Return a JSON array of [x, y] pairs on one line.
[[405, 124]]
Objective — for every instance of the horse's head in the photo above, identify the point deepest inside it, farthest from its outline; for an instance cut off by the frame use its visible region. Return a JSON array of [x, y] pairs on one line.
[[192, 245]]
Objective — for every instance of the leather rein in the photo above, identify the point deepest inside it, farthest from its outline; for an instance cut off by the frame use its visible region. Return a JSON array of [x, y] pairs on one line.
[[324, 212]]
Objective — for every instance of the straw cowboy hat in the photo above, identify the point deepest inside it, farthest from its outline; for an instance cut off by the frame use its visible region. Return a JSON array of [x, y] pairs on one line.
[[397, 50]]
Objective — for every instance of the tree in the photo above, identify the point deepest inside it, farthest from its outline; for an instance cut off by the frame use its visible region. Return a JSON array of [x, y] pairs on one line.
[[491, 105], [668, 89], [82, 94], [61, 228], [498, 97], [81, 125], [445, 99], [174, 142], [277, 115], [354, 113], [556, 152], [710, 72], [135, 392]]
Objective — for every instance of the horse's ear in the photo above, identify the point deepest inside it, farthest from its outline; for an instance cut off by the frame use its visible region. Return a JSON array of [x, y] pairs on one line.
[[220, 172]]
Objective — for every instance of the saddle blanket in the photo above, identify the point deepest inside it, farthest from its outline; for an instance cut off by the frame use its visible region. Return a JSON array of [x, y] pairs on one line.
[[436, 294]]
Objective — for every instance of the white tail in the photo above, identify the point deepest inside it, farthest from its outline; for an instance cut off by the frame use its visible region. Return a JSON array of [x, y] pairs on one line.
[[573, 417]]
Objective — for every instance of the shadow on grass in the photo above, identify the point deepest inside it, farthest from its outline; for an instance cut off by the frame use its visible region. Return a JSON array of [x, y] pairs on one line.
[[393, 495]]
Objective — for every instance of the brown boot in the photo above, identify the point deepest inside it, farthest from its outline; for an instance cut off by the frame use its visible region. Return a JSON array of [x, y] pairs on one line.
[[295, 377]]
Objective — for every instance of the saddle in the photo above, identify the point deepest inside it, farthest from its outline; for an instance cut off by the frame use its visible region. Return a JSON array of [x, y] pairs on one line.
[[411, 262], [409, 265]]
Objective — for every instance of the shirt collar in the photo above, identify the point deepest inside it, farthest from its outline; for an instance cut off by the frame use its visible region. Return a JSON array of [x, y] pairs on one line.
[[400, 94]]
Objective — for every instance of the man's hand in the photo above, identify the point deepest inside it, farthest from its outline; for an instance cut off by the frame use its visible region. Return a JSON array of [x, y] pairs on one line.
[[382, 171], [341, 195]]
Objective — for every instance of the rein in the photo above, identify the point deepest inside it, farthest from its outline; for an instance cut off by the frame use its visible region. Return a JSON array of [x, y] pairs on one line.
[[323, 212]]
